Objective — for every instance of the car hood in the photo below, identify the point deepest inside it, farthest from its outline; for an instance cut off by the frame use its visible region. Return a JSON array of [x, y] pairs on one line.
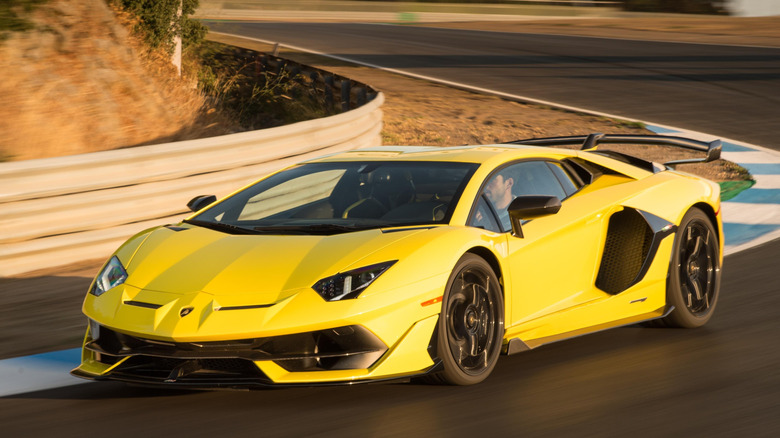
[[268, 268]]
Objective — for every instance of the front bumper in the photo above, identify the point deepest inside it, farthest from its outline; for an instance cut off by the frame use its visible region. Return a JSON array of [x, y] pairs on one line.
[[341, 355], [147, 337]]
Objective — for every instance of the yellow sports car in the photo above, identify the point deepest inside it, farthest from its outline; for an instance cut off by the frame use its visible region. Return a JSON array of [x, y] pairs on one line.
[[399, 262]]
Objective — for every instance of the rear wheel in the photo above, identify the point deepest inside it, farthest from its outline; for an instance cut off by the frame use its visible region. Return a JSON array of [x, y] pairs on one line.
[[694, 278], [471, 324]]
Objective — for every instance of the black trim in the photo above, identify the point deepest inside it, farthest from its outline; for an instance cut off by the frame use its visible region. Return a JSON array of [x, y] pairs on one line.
[[493, 212], [142, 304], [336, 342], [588, 170], [566, 171], [199, 202], [246, 383], [514, 346], [590, 142], [573, 169], [628, 159], [252, 306], [397, 230], [661, 229]]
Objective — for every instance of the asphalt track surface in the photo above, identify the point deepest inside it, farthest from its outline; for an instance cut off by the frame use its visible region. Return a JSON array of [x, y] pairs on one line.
[[721, 90], [720, 380]]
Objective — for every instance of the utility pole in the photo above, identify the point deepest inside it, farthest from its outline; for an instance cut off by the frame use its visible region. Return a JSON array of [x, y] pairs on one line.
[[177, 41]]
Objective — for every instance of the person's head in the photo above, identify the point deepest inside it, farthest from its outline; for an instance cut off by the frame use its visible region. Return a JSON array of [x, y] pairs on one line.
[[499, 190]]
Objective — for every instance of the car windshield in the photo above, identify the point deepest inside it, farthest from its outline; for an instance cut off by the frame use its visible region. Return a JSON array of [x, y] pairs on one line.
[[331, 198]]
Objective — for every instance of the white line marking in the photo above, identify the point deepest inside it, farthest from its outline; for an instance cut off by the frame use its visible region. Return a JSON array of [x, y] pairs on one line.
[[768, 237], [766, 182], [751, 157], [751, 214]]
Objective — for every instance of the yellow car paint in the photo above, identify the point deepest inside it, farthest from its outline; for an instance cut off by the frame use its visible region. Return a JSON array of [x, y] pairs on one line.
[[547, 276]]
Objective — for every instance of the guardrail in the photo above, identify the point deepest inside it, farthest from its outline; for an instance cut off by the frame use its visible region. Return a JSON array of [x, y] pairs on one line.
[[56, 211]]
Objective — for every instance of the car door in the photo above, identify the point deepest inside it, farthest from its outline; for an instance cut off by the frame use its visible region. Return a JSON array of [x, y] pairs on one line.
[[553, 266]]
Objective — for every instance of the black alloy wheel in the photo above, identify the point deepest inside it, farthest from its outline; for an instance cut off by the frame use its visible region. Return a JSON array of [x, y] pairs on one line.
[[471, 324], [694, 278]]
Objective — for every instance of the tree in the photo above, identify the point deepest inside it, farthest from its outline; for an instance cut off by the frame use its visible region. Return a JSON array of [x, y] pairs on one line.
[[160, 22]]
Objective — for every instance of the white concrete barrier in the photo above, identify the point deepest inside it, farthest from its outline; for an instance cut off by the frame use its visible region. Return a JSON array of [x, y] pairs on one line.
[[57, 211]]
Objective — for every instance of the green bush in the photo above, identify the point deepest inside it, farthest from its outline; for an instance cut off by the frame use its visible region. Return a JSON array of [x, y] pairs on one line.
[[159, 24]]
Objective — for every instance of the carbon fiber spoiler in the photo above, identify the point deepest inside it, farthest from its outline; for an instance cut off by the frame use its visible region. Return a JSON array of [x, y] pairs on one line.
[[591, 141]]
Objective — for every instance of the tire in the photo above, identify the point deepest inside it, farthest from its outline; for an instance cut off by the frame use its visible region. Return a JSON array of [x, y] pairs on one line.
[[693, 285], [471, 324]]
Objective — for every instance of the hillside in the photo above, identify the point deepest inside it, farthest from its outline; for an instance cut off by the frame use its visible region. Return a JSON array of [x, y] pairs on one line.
[[80, 81]]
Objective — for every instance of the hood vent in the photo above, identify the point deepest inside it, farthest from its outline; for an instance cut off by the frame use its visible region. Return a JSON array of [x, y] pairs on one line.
[[142, 304]]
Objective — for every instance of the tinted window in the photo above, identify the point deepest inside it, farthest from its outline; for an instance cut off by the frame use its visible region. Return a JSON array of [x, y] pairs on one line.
[[535, 178], [524, 178], [483, 217], [569, 186], [325, 198]]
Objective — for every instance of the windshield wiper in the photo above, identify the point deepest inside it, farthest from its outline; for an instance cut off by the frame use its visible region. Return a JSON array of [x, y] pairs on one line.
[[220, 226], [320, 229]]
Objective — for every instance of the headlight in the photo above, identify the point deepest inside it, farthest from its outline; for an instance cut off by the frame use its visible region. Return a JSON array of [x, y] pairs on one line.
[[350, 284], [112, 275]]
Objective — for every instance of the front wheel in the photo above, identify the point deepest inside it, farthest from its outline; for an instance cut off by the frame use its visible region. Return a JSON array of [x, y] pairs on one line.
[[694, 278], [471, 324]]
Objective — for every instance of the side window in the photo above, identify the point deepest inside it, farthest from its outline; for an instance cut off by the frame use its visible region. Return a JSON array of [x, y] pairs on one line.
[[524, 178], [483, 217], [568, 183], [535, 178]]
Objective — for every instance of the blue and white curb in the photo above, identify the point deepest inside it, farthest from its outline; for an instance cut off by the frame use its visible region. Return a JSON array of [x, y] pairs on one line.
[[753, 216], [39, 372]]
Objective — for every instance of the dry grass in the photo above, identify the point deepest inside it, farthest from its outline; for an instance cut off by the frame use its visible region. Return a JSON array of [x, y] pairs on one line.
[[81, 82], [418, 112]]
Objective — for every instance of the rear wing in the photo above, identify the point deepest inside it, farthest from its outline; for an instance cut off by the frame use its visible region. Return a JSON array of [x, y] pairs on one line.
[[590, 142]]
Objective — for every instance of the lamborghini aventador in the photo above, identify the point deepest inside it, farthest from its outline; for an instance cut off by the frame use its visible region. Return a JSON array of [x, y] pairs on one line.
[[408, 262]]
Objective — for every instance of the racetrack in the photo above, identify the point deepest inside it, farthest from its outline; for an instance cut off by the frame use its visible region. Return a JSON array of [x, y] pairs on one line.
[[718, 381], [728, 91], [721, 380]]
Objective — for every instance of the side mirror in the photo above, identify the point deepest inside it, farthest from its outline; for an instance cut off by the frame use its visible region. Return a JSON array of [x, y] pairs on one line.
[[531, 207], [201, 201]]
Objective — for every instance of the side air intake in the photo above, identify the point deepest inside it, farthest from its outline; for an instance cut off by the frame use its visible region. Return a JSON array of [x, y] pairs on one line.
[[629, 241]]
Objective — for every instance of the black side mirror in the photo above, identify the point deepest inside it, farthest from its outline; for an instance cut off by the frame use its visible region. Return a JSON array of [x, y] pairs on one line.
[[531, 207], [201, 201]]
